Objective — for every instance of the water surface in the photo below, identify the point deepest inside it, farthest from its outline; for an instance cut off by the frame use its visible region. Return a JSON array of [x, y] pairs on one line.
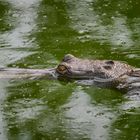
[[37, 34]]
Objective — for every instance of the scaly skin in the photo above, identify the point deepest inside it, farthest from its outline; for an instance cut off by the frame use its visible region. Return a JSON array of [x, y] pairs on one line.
[[77, 68], [105, 73]]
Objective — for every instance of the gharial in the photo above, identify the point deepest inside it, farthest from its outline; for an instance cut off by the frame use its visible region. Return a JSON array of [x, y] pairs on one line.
[[108, 73]]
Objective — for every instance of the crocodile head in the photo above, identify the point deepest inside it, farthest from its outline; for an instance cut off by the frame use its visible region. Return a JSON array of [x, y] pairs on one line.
[[76, 68]]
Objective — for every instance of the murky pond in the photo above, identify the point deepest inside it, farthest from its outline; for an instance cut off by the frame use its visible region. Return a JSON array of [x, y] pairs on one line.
[[37, 34]]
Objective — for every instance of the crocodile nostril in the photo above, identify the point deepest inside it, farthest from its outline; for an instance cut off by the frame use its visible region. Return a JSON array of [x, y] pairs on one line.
[[110, 62]]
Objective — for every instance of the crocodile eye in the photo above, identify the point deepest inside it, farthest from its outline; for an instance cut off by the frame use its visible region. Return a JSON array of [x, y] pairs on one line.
[[61, 69]]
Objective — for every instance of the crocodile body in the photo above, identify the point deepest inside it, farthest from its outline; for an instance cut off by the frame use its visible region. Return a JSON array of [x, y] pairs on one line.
[[106, 73], [77, 68]]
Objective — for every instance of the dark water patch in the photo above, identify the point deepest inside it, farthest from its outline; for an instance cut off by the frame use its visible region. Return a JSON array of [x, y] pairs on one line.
[[37, 111], [105, 96], [4, 15], [126, 127]]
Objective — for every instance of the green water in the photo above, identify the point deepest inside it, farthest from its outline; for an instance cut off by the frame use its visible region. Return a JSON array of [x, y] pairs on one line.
[[37, 34]]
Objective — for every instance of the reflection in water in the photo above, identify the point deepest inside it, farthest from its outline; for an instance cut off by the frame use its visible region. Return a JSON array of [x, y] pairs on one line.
[[90, 24], [8, 56], [36, 113], [21, 17], [121, 34], [87, 120], [24, 15], [3, 124]]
